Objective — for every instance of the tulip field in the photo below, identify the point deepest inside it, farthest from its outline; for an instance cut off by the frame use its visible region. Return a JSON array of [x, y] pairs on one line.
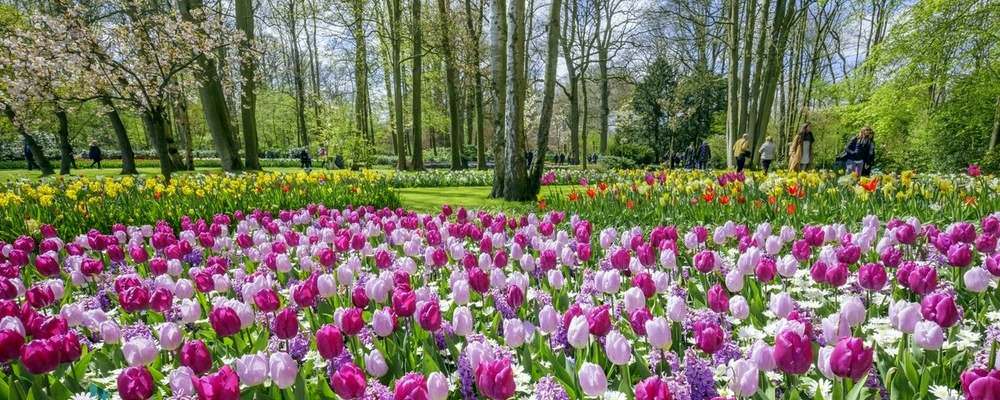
[[626, 285]]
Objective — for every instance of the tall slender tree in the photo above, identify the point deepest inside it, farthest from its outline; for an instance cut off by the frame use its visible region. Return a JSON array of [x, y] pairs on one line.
[[498, 48], [248, 74], [451, 81], [548, 95], [213, 99], [474, 24], [417, 78], [516, 186]]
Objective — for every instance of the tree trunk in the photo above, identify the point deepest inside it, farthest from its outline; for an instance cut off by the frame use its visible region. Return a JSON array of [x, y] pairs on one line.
[[65, 149], [602, 68], [155, 122], [474, 34], [395, 9], [516, 176], [548, 94], [572, 81], [498, 39], [390, 95], [583, 122], [754, 111], [745, 75], [314, 64], [183, 128], [361, 102], [784, 15], [248, 96], [418, 138], [124, 144], [733, 80], [36, 150], [995, 136], [451, 81], [213, 102], [299, 81]]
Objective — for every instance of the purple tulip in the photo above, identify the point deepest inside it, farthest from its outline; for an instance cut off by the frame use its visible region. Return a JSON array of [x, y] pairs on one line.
[[872, 276], [940, 308], [793, 352], [348, 381], [851, 359], [718, 299]]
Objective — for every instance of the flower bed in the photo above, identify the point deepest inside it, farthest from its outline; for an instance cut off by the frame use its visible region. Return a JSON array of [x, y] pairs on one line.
[[378, 304], [473, 177], [688, 198], [77, 205]]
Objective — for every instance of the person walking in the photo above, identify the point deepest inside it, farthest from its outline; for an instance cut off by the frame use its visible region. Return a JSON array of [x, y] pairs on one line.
[[800, 152], [690, 156], [95, 155], [704, 155], [741, 150], [29, 157], [766, 153], [859, 155], [305, 160]]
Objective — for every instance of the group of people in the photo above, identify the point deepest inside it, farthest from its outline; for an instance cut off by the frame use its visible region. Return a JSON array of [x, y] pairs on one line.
[[693, 157], [858, 157]]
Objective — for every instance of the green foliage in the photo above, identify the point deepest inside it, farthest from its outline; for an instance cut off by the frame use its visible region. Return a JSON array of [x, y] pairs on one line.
[[616, 162], [638, 154], [929, 92], [668, 112]]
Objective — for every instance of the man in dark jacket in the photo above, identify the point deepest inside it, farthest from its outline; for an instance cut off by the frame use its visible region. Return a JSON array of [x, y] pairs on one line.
[[29, 157], [704, 155], [95, 155]]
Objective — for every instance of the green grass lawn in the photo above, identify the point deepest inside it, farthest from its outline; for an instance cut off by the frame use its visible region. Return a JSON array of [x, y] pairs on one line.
[[474, 197]]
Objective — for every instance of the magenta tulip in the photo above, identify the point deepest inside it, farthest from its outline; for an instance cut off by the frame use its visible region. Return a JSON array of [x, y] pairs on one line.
[[850, 358], [495, 379], [793, 352]]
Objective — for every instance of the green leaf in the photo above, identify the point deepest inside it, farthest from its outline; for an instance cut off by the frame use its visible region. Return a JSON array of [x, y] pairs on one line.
[[858, 392]]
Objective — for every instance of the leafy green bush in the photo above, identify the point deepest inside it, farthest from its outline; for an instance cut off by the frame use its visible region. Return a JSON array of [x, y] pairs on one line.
[[638, 154], [616, 162]]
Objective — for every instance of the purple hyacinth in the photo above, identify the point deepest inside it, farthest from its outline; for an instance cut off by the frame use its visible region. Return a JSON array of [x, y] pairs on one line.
[[299, 346], [548, 388], [377, 391], [729, 351], [193, 258], [467, 382], [135, 331], [699, 377], [679, 387], [874, 381], [504, 308]]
